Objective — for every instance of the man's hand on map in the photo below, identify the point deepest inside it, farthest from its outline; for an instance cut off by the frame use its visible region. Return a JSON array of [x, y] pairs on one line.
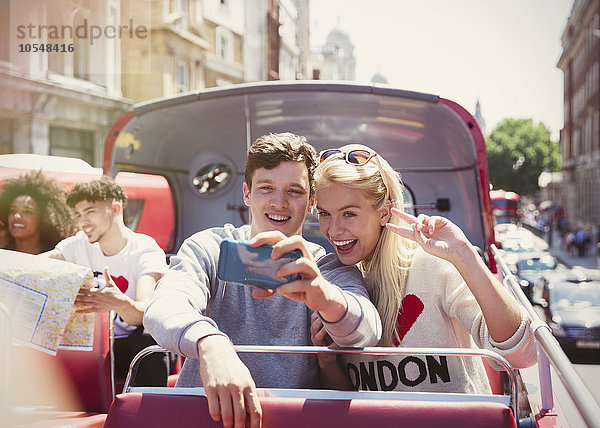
[[96, 300]]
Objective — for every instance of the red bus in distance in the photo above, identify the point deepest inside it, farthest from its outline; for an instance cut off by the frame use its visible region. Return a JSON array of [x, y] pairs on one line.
[[505, 206]]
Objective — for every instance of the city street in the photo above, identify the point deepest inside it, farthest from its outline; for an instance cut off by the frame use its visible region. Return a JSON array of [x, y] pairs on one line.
[[588, 368], [589, 371]]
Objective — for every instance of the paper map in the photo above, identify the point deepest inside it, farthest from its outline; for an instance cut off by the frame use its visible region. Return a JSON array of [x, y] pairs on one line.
[[39, 293]]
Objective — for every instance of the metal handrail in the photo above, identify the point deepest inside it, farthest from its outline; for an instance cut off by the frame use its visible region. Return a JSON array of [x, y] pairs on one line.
[[356, 351], [553, 353]]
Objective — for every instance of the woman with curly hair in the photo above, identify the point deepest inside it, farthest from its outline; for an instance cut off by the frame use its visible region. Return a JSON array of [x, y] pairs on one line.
[[34, 210]]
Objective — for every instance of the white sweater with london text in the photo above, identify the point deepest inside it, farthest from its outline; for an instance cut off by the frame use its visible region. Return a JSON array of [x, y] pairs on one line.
[[439, 311]]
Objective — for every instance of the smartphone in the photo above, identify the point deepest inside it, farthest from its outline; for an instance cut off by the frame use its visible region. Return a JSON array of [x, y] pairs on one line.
[[241, 263]]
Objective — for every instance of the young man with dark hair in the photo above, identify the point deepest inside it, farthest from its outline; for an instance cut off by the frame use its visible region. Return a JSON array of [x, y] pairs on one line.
[[130, 264], [195, 314]]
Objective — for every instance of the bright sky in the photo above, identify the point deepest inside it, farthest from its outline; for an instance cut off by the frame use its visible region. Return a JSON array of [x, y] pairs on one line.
[[503, 52]]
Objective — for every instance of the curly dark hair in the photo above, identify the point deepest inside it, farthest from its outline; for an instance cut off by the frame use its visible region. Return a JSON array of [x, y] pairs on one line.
[[103, 189], [56, 218]]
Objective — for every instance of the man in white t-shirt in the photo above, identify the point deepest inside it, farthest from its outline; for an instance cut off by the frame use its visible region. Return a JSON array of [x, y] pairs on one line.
[[130, 264]]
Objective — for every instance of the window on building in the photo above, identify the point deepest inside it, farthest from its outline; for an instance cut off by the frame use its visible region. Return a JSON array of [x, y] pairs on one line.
[[183, 76], [575, 148], [224, 44], [587, 140], [177, 6], [180, 8], [56, 60], [195, 14], [72, 143], [80, 52], [596, 131], [6, 133]]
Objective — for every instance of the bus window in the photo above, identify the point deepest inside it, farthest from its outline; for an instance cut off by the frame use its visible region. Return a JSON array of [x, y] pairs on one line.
[[150, 209], [409, 201], [133, 212]]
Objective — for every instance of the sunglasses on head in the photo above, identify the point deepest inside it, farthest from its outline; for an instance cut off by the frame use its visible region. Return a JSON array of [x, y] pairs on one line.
[[355, 157]]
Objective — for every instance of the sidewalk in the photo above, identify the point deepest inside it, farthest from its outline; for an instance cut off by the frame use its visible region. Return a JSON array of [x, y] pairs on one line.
[[541, 243], [587, 262]]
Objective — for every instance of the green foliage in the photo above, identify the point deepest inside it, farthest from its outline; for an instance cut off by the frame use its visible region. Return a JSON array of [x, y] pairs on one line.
[[517, 152]]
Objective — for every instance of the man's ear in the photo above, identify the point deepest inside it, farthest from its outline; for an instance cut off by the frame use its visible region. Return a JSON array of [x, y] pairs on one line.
[[246, 193], [311, 203], [117, 207], [386, 213]]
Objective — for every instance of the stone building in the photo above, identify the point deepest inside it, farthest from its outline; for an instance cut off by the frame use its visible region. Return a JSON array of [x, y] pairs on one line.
[[171, 60], [61, 100], [336, 60], [276, 40], [65, 102], [580, 137], [478, 115]]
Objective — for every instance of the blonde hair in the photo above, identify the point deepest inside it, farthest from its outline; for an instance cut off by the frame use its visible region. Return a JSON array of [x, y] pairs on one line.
[[386, 272]]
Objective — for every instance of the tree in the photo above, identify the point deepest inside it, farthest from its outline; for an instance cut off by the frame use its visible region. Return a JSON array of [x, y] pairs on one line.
[[517, 152]]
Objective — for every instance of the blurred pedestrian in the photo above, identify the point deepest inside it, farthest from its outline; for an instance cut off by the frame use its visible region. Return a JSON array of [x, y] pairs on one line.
[[580, 242], [34, 211], [570, 243]]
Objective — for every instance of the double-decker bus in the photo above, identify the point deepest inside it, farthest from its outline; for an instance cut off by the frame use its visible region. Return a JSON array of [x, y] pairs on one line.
[[198, 142], [505, 206]]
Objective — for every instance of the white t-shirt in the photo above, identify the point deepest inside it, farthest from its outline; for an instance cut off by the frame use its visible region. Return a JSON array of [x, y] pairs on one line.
[[141, 255]]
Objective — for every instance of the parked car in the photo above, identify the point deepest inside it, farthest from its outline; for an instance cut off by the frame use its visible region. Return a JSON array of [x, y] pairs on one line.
[[503, 231], [570, 303], [514, 248], [530, 266]]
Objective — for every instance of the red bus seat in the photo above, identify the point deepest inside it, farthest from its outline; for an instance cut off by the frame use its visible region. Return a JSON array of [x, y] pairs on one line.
[[91, 372], [137, 409], [495, 377], [75, 385]]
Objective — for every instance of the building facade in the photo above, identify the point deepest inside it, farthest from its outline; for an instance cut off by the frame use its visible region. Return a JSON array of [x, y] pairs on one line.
[[62, 98], [224, 24], [337, 57], [580, 136], [171, 60], [478, 115], [65, 102]]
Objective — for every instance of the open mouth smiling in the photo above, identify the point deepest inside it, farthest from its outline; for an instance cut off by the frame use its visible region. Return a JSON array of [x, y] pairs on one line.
[[345, 246], [279, 218]]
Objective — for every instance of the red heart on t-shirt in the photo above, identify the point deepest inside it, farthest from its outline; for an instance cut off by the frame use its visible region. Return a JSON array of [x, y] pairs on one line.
[[121, 282], [409, 311]]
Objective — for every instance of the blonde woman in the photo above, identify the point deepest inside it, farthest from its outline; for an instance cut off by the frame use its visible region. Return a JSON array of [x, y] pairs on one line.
[[429, 284]]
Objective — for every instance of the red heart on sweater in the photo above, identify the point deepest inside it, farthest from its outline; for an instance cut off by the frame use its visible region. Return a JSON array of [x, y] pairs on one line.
[[410, 309], [121, 282]]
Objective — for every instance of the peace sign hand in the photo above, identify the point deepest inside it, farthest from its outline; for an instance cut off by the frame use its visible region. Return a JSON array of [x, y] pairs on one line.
[[436, 235]]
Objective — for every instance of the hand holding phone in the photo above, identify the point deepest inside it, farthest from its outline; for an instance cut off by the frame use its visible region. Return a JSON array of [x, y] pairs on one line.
[[241, 263]]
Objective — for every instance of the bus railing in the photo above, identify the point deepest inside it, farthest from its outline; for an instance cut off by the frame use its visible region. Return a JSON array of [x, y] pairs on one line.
[[550, 353], [514, 397]]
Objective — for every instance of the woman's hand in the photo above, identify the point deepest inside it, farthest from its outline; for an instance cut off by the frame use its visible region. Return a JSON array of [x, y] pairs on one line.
[[437, 235]]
